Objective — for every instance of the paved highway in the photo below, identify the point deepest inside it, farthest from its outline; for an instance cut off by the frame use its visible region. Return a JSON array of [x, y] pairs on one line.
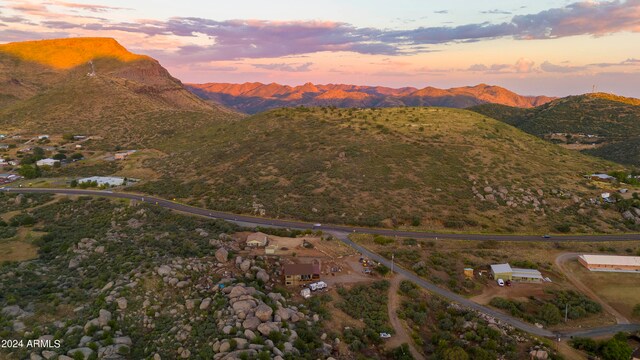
[[292, 224], [342, 233]]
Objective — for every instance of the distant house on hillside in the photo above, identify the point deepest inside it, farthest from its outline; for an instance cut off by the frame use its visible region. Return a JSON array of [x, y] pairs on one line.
[[257, 239], [602, 177], [299, 274], [47, 162], [123, 154], [43, 137]]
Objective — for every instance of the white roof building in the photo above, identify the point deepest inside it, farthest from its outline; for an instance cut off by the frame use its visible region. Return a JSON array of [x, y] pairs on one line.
[[104, 180], [611, 263], [47, 162]]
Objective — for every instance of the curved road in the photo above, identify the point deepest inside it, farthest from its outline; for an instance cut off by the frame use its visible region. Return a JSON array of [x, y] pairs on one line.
[[292, 224], [342, 233]]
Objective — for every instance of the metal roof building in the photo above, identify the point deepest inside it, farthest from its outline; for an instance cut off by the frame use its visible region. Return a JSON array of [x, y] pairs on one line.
[[611, 263], [506, 272]]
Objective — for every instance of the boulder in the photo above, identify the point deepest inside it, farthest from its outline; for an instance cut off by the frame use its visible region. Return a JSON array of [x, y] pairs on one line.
[[122, 303], [104, 316], [251, 323], [189, 304], [224, 347], [249, 334], [85, 351], [123, 340], [245, 265], [241, 343], [204, 305], [267, 327], [182, 284], [283, 313], [263, 276], [222, 255], [264, 312], [48, 354], [164, 270], [244, 305], [237, 291], [12, 311]]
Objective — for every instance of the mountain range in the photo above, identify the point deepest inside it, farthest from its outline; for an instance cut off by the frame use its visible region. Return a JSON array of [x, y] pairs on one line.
[[256, 97]]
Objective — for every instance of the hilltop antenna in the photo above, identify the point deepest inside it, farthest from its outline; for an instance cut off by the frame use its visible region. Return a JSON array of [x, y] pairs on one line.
[[93, 69], [593, 89]]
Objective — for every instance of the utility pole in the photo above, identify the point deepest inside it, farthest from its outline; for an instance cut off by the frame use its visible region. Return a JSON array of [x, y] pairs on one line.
[[566, 312], [392, 257]]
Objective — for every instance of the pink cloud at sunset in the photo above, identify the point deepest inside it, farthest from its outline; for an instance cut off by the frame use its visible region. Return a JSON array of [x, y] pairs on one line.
[[499, 45]]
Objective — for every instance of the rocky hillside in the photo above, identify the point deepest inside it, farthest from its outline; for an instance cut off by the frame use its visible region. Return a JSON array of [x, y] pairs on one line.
[[256, 97], [429, 168], [603, 125], [96, 87]]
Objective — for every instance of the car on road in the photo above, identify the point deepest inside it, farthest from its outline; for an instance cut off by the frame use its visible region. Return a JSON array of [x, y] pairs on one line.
[[384, 335], [500, 282], [546, 236], [317, 225]]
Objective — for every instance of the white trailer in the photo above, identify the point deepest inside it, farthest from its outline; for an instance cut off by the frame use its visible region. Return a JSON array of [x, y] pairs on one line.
[[318, 285]]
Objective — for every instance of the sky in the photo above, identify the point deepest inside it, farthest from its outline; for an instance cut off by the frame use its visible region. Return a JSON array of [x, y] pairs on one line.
[[545, 47]]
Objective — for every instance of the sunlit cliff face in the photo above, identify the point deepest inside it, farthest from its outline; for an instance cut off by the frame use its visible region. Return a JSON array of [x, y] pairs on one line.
[[69, 53]]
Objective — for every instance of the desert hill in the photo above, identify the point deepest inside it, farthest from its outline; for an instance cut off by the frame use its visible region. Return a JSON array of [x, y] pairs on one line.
[[434, 168], [600, 124], [94, 86]]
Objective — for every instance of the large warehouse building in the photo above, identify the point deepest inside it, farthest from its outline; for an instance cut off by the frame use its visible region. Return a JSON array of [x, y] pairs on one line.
[[612, 263]]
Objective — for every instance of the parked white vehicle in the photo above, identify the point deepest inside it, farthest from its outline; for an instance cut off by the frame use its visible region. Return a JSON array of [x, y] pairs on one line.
[[385, 335], [318, 285], [500, 282]]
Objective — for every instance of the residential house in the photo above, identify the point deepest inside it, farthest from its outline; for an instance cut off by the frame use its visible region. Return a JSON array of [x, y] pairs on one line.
[[300, 274], [47, 162], [43, 137], [257, 239], [602, 177], [104, 180], [506, 272], [4, 146]]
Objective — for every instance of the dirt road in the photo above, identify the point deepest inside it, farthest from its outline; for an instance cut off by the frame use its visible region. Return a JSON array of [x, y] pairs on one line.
[[561, 261], [401, 335]]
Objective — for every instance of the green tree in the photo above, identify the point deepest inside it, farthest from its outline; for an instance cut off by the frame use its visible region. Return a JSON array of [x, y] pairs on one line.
[[29, 171], [68, 137], [636, 310], [76, 156], [615, 349], [59, 156], [74, 183], [455, 353], [550, 314], [38, 153]]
